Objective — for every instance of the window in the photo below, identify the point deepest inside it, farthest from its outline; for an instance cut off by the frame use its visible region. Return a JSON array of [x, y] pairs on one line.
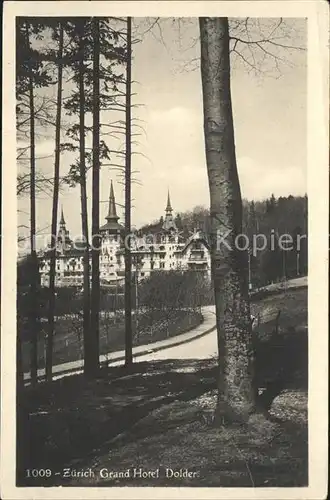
[[142, 274], [162, 265]]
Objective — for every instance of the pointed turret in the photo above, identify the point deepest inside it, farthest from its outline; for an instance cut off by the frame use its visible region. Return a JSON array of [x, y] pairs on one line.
[[169, 223], [112, 212], [112, 225], [62, 221], [168, 206], [63, 236]]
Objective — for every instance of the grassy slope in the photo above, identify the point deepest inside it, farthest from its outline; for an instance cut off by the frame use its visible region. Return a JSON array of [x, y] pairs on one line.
[[292, 306], [160, 415]]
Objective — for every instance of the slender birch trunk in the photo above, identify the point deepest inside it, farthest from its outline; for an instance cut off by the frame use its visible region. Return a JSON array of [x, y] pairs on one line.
[[84, 215], [33, 316], [95, 293], [52, 266], [237, 394], [128, 255]]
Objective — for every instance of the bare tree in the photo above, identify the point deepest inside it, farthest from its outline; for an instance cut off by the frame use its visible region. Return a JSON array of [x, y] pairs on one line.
[[263, 47], [43, 183]]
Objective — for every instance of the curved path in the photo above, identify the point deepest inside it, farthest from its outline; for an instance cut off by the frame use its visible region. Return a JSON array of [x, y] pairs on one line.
[[200, 343]]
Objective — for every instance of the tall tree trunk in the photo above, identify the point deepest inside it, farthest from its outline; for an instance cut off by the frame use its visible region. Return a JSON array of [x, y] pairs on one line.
[[52, 265], [34, 325], [88, 361], [128, 255], [95, 295], [237, 393]]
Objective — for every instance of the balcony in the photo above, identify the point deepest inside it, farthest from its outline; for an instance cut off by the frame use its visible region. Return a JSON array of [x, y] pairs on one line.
[[197, 257], [197, 266]]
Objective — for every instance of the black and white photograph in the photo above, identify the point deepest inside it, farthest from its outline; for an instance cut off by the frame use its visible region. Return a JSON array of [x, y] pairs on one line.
[[164, 318]]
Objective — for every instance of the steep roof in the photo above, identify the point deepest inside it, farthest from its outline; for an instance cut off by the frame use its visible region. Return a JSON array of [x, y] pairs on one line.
[[62, 221], [169, 223], [199, 236], [112, 224], [168, 206]]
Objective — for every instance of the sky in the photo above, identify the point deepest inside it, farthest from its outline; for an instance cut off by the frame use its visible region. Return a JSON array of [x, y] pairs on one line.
[[269, 121]]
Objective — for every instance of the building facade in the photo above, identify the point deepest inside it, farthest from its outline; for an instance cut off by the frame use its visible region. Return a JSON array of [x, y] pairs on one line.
[[164, 250]]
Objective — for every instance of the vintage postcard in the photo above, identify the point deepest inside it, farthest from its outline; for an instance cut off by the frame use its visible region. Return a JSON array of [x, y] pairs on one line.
[[164, 319]]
